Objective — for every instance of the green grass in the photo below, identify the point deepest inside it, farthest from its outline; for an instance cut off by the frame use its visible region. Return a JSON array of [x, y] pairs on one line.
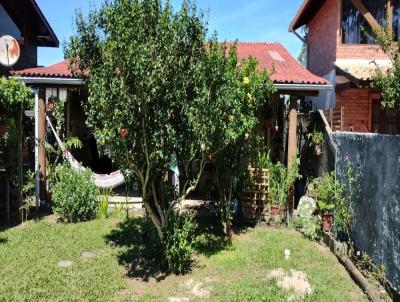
[[29, 256]]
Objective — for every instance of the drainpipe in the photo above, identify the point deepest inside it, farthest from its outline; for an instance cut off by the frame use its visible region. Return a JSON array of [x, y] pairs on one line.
[[37, 142]]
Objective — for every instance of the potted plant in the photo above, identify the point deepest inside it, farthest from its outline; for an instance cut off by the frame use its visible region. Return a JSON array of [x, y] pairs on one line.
[[277, 188], [326, 195], [316, 140]]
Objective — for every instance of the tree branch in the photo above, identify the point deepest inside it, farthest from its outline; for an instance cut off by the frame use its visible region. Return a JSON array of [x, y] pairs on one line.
[[157, 204]]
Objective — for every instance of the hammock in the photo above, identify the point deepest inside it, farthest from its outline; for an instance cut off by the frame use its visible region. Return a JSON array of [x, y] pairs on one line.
[[106, 181]]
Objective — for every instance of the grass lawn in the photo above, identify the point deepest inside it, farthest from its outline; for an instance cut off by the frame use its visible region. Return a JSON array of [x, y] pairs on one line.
[[116, 269]]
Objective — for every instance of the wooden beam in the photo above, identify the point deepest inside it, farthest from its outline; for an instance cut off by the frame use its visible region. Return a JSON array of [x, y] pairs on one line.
[[42, 150], [389, 14], [299, 93], [292, 138], [292, 143], [7, 199], [367, 15]]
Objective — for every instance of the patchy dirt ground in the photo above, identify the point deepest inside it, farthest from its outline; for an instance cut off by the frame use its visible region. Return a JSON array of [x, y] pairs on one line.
[[253, 269], [294, 281]]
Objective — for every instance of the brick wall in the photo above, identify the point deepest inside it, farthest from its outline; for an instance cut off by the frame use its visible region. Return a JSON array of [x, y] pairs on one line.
[[322, 38], [357, 109], [370, 52], [325, 41]]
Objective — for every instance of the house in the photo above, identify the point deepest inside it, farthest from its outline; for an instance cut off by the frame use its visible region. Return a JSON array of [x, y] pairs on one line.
[[292, 81], [24, 21], [341, 48]]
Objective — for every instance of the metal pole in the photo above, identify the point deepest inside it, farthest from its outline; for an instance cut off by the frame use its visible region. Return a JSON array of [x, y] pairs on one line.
[[37, 142]]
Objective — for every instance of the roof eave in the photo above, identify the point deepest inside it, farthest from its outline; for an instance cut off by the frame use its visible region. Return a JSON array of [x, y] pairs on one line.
[[49, 80], [303, 87], [309, 7], [53, 40]]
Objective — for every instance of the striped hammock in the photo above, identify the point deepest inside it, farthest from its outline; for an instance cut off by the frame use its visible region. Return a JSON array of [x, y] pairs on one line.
[[106, 181]]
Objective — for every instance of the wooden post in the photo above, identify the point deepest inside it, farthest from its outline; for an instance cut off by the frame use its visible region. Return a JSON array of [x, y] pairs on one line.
[[292, 137], [292, 143], [366, 14], [37, 172], [42, 150], [7, 199], [389, 14]]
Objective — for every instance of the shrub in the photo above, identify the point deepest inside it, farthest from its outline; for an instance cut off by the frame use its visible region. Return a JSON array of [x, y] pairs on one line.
[[179, 241], [309, 226], [328, 192], [281, 181], [316, 138], [74, 195]]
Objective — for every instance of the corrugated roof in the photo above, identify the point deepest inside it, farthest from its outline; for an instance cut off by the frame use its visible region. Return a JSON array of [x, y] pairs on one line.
[[361, 69], [272, 56]]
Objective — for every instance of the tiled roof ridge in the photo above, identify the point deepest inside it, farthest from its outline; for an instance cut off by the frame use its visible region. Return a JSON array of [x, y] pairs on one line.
[[271, 55]]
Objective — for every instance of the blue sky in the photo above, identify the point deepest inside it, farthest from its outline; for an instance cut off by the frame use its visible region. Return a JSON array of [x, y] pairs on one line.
[[246, 20]]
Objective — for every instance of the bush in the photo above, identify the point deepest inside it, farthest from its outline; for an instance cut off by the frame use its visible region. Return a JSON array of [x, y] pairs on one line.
[[328, 192], [74, 195], [310, 227], [179, 241]]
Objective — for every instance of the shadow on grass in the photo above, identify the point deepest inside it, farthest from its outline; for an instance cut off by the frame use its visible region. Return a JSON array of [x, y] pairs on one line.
[[142, 253], [141, 250], [37, 215], [3, 240], [212, 238]]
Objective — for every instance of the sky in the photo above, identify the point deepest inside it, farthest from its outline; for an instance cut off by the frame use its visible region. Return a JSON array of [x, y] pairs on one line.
[[245, 20]]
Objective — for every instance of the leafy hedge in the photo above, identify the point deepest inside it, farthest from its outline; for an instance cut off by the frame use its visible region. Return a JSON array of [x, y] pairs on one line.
[[74, 195]]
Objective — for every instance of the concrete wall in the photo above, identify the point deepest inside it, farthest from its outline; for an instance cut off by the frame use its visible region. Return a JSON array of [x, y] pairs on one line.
[[376, 204]]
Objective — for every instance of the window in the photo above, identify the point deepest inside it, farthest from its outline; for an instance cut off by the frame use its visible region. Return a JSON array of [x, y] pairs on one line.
[[385, 121], [356, 30]]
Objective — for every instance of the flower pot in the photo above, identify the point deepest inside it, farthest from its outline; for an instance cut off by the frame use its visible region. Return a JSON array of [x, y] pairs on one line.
[[327, 222], [317, 150], [3, 129], [50, 105], [276, 210]]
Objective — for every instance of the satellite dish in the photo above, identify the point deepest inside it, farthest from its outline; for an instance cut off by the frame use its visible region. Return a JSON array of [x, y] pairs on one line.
[[9, 51]]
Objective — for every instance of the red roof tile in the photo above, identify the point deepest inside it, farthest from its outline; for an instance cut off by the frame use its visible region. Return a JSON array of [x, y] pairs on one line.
[[272, 56], [59, 70]]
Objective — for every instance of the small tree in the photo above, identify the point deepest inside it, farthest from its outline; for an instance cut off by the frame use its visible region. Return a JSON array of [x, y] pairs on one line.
[[14, 96], [388, 81], [160, 91]]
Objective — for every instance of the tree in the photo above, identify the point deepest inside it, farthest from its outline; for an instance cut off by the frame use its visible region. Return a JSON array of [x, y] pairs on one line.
[[160, 92], [303, 56], [388, 81], [14, 96]]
